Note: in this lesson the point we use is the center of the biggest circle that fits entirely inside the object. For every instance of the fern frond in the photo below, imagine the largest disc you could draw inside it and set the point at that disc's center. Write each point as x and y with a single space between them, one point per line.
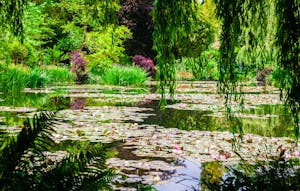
14 147
81 171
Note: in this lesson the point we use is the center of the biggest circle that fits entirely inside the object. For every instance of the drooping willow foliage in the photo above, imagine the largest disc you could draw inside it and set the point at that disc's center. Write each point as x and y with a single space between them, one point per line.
230 12
250 23
103 11
243 25
11 14
172 24
250 19
288 58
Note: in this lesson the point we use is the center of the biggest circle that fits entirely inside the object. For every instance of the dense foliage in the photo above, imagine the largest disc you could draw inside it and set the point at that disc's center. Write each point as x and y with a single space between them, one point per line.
260 37
288 43
52 32
14 10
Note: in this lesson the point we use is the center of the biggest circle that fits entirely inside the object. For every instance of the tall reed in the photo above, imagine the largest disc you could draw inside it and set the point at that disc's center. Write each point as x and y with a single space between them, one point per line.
57 74
124 76
12 78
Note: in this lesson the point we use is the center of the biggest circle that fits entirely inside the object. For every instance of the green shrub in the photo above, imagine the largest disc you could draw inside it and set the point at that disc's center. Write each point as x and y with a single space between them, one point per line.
98 63
124 76
72 39
52 56
93 78
278 77
17 51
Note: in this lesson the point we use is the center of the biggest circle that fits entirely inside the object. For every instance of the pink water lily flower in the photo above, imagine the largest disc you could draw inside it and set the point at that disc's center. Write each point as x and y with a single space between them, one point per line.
177 150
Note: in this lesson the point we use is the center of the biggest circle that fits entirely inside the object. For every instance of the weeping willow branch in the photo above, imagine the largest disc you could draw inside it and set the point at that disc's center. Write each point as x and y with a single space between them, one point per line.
11 15
249 19
172 24
243 24
229 11
288 43
103 12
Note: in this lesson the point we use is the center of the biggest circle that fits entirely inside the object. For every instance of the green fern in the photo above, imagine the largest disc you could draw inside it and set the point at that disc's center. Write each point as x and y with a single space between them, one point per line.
85 170
24 165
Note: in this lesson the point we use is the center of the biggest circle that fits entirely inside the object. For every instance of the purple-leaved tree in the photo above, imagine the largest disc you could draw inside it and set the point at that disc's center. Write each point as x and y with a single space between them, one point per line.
145 63
78 65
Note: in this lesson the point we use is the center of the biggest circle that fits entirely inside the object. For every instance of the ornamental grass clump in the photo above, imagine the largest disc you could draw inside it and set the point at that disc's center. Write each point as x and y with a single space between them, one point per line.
36 78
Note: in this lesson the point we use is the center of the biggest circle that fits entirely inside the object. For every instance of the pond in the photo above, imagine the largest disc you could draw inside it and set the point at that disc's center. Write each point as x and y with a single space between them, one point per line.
168 148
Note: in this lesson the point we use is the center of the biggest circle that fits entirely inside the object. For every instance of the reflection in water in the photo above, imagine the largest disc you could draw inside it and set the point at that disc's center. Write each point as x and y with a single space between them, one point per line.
276 174
11 119
57 103
22 99
271 120
77 103
211 175
185 179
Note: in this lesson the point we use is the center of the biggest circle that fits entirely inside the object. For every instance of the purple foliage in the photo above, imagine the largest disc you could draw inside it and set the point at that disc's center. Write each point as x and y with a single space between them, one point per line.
136 15
144 63
78 65
77 61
